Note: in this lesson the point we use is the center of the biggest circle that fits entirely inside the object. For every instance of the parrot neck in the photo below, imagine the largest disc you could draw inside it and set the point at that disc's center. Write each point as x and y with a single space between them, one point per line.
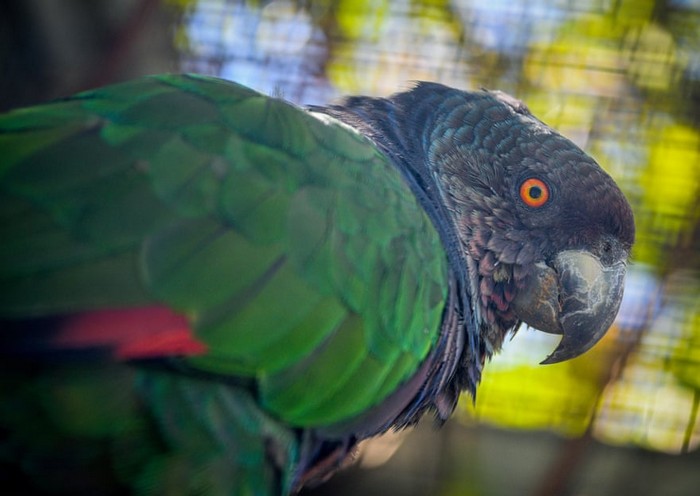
399 127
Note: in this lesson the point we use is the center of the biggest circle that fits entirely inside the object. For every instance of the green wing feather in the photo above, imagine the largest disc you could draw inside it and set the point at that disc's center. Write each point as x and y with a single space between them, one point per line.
292 244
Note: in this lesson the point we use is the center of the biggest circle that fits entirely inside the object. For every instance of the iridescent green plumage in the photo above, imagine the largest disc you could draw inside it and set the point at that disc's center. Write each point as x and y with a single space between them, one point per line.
291 244
281 236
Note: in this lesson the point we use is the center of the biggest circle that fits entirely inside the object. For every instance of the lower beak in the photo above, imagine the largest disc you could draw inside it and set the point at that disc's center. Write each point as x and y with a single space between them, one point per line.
577 296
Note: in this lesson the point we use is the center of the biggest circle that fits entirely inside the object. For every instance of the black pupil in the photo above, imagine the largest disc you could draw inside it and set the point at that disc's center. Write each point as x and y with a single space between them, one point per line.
535 192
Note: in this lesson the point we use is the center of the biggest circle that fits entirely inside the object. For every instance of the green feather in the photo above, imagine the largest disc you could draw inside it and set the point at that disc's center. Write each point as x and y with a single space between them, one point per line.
296 249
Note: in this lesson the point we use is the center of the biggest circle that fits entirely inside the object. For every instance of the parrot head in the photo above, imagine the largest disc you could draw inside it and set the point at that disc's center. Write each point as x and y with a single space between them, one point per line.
547 233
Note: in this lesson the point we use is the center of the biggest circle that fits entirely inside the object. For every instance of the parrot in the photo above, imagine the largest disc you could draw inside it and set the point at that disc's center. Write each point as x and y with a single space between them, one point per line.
208 290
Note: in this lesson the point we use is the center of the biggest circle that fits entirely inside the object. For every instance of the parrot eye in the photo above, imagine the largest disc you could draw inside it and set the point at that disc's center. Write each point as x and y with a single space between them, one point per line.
534 192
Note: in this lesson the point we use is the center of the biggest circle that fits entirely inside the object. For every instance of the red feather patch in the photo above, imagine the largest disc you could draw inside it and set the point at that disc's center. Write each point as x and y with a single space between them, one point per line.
132 333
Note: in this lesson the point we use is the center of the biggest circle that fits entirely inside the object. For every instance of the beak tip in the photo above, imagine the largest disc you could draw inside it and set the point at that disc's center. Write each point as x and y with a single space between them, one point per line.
558 355
549 361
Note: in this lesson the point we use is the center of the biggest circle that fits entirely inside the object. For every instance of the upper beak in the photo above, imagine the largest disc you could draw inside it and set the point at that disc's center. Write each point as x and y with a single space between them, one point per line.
577 296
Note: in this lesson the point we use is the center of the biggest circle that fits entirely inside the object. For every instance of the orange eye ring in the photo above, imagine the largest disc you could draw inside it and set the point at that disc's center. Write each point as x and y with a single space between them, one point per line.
534 192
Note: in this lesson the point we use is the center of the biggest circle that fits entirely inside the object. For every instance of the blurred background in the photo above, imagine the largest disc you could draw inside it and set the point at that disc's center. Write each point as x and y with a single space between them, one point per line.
619 77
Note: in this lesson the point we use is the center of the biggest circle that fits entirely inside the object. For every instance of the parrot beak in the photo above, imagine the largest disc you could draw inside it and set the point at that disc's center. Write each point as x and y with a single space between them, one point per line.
577 297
